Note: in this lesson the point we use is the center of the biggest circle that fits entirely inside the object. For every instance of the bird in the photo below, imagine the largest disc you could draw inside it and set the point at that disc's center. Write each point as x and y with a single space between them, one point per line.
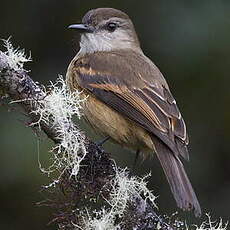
128 99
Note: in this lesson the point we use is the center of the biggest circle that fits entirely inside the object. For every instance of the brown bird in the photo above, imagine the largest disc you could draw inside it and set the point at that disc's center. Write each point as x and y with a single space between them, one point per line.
128 98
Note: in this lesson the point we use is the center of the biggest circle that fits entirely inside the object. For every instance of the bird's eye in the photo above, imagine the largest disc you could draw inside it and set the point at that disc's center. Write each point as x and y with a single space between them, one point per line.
111 26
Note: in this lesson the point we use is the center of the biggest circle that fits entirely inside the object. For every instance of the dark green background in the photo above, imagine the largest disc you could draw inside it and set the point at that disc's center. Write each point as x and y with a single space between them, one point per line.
188 40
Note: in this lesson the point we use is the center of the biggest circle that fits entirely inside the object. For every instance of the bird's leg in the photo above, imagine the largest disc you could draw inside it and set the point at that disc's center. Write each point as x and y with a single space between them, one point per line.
101 142
136 158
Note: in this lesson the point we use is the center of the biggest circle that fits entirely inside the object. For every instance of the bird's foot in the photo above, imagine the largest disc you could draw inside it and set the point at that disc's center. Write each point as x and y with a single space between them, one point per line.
136 159
101 142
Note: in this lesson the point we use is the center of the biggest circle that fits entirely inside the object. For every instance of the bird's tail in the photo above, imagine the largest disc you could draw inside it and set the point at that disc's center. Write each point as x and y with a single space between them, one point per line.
178 180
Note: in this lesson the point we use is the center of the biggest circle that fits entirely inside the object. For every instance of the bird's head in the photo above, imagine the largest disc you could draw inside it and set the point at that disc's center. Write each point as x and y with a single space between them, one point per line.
106 29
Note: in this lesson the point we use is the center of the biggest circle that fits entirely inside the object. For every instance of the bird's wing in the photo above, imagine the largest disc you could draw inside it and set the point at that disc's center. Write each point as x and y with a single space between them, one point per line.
141 100
134 87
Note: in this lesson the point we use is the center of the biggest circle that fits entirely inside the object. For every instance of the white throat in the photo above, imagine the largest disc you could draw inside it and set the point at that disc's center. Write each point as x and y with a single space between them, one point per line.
96 42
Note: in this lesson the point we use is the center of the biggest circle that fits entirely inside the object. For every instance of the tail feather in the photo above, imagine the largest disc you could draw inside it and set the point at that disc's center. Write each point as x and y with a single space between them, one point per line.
179 183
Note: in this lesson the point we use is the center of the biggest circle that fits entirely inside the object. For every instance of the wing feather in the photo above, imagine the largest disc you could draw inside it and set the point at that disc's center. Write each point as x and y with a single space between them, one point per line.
143 97
150 105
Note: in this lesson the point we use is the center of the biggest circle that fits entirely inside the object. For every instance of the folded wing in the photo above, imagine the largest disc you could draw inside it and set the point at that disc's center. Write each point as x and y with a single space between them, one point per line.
144 98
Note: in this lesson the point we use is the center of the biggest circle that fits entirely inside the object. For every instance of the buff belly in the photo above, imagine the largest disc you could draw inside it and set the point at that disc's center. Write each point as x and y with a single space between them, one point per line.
108 122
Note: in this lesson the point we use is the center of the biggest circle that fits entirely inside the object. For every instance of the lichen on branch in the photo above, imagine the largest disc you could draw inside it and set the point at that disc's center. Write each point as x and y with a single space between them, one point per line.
90 191
15 58
57 110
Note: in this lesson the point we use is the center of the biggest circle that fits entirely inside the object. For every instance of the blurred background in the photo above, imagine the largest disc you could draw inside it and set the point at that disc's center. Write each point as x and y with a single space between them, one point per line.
188 40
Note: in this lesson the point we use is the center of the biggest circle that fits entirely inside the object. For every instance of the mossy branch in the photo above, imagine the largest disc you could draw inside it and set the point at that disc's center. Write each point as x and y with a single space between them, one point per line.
91 192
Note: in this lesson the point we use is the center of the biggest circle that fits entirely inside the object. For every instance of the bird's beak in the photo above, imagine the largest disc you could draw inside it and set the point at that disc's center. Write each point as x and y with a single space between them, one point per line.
81 28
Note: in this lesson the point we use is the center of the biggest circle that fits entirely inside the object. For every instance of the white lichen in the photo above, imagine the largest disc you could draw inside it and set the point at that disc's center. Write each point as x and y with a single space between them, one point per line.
57 110
123 190
15 57
212 225
206 225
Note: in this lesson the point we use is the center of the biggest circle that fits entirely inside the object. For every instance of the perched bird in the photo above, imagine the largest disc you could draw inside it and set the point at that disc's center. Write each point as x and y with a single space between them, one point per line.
128 98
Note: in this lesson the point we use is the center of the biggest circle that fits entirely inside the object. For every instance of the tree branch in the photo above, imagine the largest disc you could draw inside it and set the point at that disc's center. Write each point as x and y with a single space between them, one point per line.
92 185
